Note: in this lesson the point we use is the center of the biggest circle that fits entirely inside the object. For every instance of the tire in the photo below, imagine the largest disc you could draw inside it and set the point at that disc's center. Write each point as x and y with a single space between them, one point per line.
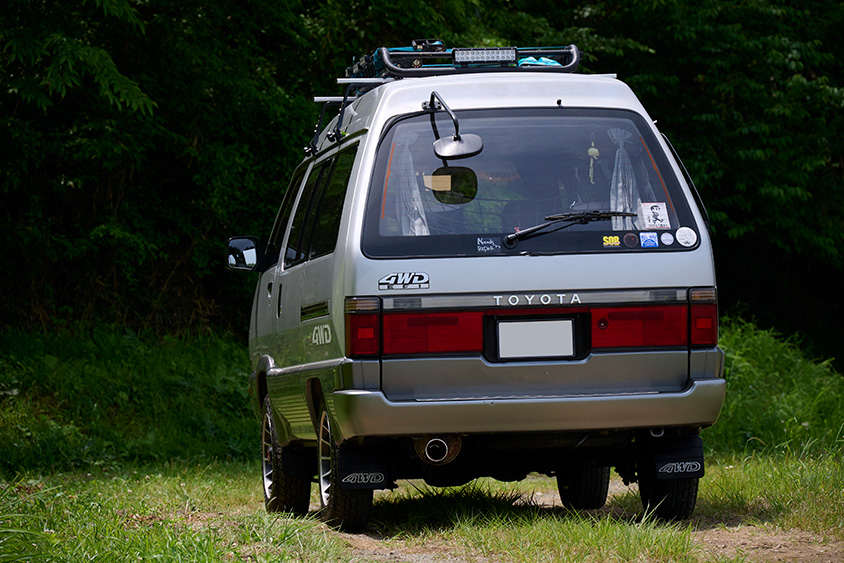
669 500
584 487
345 509
283 492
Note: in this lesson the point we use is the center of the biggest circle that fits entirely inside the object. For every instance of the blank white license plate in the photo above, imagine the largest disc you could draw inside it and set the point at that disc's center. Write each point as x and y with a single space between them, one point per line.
535 339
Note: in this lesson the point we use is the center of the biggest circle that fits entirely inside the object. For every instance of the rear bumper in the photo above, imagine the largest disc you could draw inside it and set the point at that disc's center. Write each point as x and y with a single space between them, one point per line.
370 413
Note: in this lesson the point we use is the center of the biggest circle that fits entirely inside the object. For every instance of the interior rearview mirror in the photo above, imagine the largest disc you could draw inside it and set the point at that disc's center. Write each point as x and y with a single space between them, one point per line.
464 146
453 184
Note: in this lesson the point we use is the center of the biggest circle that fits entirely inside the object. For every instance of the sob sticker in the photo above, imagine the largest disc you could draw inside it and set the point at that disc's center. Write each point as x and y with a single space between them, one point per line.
612 241
656 215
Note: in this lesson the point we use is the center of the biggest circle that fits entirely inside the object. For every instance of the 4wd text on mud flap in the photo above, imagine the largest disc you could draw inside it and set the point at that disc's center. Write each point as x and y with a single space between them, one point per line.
680 467
362 478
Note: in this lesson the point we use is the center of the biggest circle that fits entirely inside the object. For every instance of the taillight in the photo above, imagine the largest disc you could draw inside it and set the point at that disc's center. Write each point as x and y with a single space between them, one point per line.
372 333
432 333
640 327
363 327
704 317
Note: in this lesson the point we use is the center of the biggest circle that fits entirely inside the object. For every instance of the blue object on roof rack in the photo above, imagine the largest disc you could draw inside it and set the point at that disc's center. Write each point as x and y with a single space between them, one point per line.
541 61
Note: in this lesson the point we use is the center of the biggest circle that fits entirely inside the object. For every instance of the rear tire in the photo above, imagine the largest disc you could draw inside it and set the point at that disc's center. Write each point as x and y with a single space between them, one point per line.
584 487
283 492
345 509
670 499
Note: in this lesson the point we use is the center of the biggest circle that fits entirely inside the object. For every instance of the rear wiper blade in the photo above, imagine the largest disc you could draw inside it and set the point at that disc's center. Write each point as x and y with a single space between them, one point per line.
573 218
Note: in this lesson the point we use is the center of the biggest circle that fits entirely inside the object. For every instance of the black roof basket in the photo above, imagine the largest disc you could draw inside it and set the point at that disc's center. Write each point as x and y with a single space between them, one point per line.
429 57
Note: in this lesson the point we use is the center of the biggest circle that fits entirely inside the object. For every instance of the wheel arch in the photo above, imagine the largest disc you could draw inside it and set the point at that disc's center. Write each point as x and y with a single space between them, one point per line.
315 399
265 364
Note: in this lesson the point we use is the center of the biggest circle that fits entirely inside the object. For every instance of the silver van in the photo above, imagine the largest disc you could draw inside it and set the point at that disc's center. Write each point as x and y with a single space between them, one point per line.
486 265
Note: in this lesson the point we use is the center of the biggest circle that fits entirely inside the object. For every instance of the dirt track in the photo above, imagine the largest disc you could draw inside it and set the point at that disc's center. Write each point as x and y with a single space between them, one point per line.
729 539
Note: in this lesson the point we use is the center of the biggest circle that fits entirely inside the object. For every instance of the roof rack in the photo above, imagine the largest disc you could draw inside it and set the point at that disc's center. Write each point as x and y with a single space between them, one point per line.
429 57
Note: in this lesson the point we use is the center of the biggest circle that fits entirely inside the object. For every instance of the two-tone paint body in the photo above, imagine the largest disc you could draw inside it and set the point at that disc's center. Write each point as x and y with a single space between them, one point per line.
298 332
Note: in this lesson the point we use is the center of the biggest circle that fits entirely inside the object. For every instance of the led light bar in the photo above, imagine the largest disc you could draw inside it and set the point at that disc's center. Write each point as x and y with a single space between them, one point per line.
499 55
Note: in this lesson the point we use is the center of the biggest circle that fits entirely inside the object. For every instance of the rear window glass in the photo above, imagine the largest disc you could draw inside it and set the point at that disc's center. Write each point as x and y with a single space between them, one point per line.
534 165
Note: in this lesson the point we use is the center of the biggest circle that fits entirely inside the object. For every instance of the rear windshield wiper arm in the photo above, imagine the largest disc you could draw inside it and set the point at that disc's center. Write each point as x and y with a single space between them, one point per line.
573 218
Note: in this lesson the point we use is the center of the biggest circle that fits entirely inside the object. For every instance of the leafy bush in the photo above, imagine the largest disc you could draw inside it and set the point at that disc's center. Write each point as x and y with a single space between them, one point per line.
106 395
78 397
778 399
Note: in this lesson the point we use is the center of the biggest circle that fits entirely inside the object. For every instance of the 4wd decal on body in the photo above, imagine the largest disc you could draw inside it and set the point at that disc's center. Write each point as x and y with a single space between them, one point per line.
404 280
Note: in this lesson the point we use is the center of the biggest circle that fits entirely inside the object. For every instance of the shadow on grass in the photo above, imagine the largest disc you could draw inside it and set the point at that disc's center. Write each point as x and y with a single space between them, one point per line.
425 510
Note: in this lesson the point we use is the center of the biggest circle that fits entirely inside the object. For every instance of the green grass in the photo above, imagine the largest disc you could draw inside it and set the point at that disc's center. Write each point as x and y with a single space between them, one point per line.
168 512
88 418
80 397
214 512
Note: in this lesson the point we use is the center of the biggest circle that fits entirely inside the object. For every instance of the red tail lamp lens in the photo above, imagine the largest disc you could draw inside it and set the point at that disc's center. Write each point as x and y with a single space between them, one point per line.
705 325
432 333
640 327
363 326
363 334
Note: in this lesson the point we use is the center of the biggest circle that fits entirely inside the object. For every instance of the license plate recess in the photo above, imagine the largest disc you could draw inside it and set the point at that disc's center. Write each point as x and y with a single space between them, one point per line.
522 339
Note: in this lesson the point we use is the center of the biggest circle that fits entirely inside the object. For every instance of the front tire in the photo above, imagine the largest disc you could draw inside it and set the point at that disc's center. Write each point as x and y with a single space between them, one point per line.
584 487
345 509
283 492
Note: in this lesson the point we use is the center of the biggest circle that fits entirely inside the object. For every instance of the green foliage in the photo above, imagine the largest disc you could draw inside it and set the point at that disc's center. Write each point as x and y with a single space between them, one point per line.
105 395
778 400
138 136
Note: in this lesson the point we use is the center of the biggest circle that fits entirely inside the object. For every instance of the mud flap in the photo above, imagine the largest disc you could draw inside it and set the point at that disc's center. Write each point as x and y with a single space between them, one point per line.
362 468
677 457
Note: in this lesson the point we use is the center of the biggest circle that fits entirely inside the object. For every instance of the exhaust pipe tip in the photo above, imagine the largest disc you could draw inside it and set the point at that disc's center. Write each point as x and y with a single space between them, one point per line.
437 450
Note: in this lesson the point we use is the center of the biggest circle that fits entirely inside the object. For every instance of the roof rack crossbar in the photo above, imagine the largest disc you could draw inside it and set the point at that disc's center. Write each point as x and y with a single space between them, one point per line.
329 99
364 81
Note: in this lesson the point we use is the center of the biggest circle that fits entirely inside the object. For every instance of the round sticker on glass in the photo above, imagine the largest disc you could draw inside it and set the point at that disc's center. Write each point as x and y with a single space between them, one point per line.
686 236
631 240
667 239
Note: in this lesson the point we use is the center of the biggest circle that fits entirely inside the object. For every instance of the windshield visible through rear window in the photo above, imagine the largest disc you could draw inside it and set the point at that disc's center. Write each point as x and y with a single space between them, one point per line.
534 165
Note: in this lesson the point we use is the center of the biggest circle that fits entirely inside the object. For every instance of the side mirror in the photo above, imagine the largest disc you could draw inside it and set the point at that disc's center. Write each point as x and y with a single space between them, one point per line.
244 254
453 185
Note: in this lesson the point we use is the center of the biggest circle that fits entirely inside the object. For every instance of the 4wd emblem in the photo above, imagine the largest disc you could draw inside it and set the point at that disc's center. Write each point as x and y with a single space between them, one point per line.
404 280
680 467
363 478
